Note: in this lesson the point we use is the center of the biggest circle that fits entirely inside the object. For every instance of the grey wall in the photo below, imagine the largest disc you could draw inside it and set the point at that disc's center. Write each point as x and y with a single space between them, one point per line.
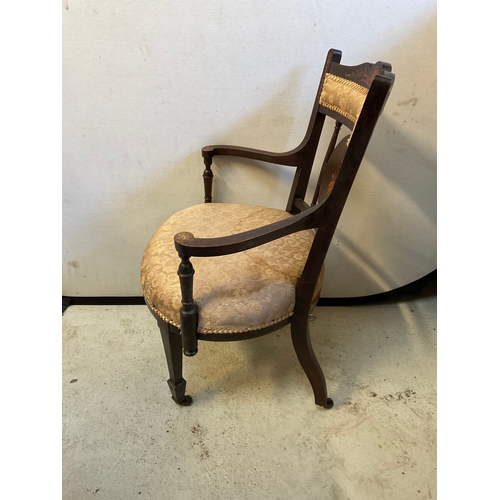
147 84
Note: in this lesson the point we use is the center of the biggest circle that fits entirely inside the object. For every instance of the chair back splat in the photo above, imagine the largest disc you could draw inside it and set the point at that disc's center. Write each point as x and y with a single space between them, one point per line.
269 267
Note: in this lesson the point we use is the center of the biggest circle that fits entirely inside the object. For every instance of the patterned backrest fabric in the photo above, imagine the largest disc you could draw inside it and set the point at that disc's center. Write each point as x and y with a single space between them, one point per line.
345 97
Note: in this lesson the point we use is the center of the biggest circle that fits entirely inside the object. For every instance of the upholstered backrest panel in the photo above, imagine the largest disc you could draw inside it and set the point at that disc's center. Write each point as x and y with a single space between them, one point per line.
343 96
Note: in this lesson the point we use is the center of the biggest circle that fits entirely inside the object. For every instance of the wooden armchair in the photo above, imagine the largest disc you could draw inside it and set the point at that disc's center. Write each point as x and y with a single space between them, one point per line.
257 268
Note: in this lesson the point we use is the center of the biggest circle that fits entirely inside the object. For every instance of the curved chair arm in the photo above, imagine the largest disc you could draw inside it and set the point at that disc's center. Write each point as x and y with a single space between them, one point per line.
291 158
187 245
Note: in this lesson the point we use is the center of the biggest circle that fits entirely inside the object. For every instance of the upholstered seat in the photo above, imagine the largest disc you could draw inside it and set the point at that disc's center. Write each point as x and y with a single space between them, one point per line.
234 293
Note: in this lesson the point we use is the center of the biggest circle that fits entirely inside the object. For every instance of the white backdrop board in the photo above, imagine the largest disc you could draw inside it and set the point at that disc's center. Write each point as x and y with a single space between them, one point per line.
147 84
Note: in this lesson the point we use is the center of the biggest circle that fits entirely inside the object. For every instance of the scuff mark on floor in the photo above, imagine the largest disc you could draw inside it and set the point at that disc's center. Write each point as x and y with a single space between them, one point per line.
198 431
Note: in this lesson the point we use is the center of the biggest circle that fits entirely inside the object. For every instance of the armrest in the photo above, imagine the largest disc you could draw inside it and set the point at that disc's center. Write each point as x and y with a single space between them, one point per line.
188 246
290 158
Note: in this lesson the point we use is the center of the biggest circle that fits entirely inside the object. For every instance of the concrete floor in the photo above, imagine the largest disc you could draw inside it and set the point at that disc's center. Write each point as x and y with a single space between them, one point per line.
253 431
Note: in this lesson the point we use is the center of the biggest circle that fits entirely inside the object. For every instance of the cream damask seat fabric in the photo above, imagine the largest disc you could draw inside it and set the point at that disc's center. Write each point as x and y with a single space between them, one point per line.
235 293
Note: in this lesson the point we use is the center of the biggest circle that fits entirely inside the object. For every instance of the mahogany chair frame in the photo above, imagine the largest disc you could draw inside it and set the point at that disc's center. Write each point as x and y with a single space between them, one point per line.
323 216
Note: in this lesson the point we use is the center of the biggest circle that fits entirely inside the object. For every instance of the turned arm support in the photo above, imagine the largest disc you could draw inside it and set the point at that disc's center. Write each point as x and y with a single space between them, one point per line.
188 311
